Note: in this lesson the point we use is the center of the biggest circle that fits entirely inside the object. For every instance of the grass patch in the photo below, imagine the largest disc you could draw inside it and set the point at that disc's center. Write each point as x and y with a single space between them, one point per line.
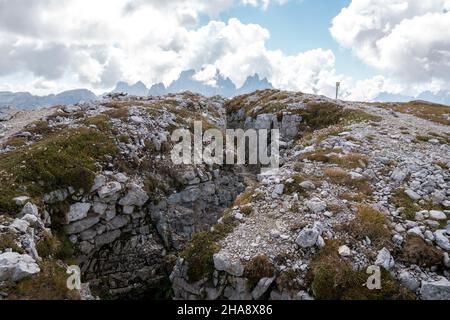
49 284
309 138
357 116
9 241
351 160
370 223
286 281
16 142
332 278
39 127
244 198
325 114
343 178
124 139
441 164
198 254
48 245
257 268
425 110
118 113
101 122
401 200
353 196
321 115
292 185
422 138
246 210
58 161
320 155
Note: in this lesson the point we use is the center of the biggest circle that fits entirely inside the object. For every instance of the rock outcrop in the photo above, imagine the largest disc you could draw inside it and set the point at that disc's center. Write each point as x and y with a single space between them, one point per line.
360 188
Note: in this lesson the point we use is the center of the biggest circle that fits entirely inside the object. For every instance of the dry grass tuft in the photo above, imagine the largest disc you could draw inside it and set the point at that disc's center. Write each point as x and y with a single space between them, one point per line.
370 223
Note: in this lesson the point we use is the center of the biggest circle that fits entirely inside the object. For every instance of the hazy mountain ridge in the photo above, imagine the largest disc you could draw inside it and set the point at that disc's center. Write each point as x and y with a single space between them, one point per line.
25 100
186 82
223 86
440 97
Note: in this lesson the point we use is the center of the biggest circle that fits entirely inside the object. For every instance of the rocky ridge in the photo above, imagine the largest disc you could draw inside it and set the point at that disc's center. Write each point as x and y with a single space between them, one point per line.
372 189
358 186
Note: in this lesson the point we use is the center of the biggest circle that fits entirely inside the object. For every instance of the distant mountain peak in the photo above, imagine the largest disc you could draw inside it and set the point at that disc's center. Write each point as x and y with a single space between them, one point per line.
25 100
440 97
137 89
254 83
187 81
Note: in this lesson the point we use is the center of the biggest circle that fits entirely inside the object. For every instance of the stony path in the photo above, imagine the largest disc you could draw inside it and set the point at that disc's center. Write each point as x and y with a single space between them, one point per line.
20 120
397 119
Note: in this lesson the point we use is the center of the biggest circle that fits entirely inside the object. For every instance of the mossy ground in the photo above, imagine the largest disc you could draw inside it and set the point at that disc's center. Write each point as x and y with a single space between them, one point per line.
57 161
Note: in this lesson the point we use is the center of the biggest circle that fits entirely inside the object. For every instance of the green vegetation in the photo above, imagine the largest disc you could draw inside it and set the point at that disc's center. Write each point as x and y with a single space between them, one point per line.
332 278
370 223
101 122
9 241
401 200
49 284
199 256
421 109
321 115
48 245
342 177
325 114
58 161
257 268
200 250
349 161
39 127
246 210
16 142
118 113
286 281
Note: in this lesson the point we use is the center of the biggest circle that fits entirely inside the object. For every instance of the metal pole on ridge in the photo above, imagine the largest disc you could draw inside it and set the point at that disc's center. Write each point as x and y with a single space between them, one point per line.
338 86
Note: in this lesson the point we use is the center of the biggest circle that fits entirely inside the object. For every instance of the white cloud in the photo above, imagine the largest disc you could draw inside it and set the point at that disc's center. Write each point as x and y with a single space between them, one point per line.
408 39
369 89
264 4
72 43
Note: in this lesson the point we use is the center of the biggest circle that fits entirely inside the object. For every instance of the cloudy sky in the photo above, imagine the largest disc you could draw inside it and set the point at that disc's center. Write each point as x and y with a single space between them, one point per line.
372 46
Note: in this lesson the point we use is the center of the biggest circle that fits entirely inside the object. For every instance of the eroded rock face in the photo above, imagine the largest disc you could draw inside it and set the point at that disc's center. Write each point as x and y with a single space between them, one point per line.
122 236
